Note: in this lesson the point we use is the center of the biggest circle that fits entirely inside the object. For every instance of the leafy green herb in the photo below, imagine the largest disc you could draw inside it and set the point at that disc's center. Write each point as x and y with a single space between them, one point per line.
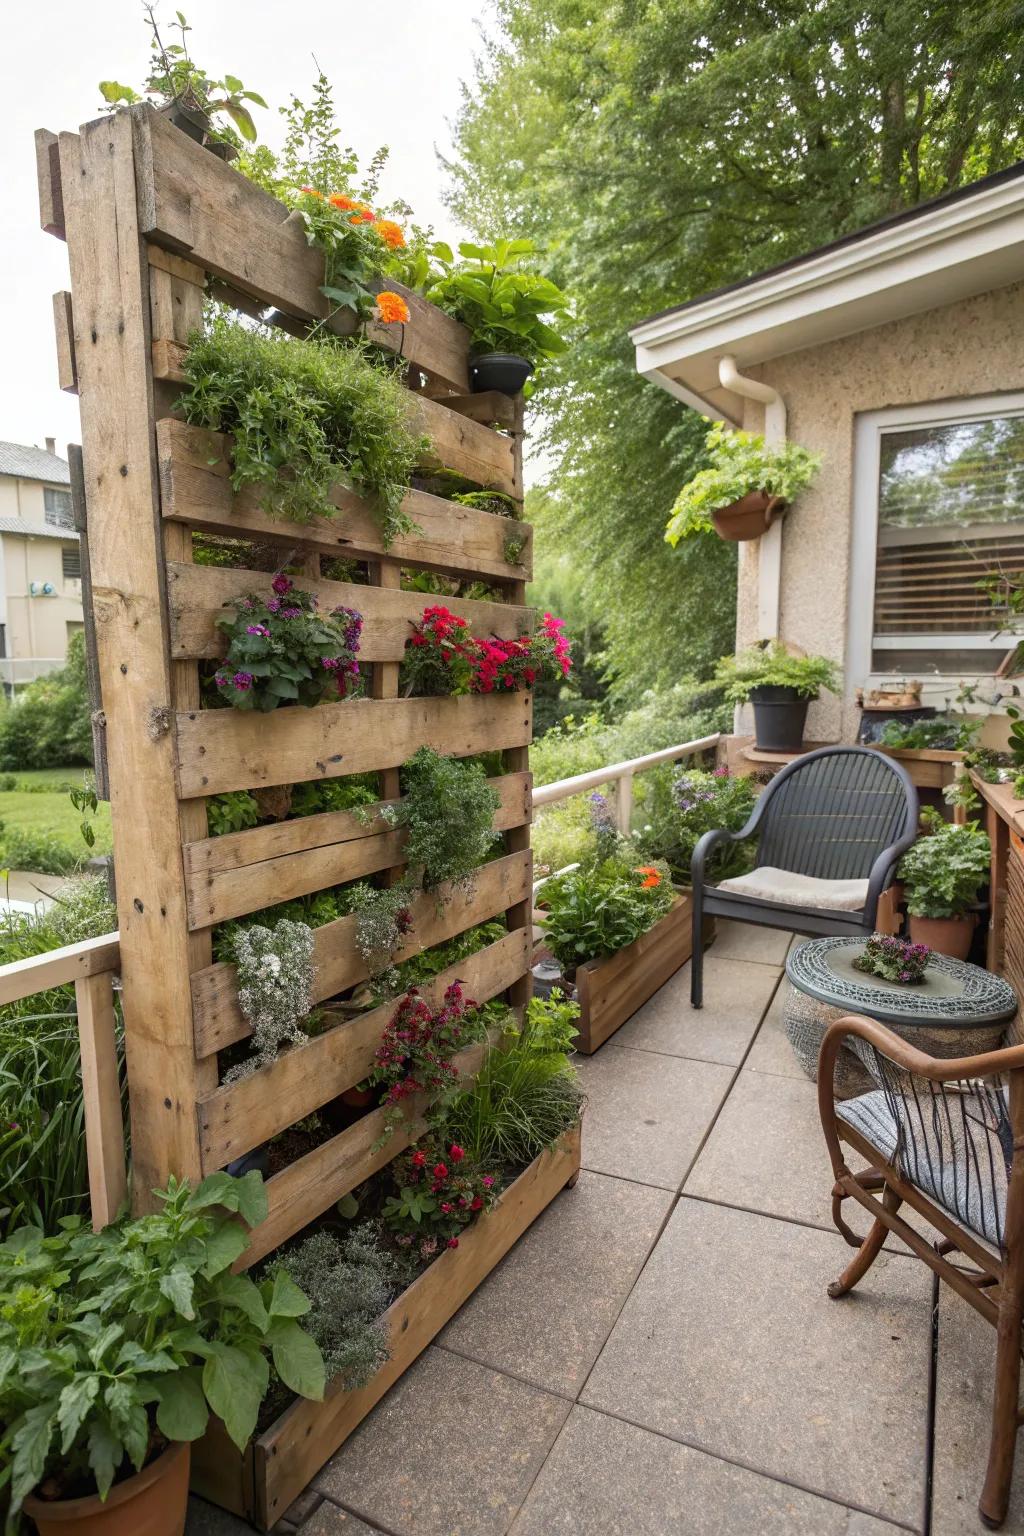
945 870
740 462
770 665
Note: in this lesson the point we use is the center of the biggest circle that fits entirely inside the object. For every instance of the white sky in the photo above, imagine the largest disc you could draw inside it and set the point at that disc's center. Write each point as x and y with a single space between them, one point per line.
396 71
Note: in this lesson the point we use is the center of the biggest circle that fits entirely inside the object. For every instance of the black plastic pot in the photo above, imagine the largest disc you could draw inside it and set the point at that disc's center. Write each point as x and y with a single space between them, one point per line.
780 715
258 1159
503 371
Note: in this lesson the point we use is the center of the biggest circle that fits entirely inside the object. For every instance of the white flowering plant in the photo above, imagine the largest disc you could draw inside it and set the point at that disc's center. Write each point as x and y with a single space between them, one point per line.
275 987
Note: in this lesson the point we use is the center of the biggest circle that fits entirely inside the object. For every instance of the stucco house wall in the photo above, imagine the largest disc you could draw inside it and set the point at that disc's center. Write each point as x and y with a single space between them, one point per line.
37 627
974 347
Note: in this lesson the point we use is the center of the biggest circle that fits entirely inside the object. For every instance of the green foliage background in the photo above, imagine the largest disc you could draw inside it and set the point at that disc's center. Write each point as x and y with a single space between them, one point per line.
662 148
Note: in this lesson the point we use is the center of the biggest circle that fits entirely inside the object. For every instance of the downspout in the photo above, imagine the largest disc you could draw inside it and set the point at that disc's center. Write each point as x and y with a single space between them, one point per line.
769 571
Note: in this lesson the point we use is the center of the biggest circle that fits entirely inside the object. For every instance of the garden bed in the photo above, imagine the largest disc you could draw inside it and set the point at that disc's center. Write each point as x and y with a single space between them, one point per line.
261 1483
610 991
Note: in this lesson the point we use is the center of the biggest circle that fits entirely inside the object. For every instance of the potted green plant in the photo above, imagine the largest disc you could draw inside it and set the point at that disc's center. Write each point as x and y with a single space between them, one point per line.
504 308
780 686
942 875
115 1347
747 485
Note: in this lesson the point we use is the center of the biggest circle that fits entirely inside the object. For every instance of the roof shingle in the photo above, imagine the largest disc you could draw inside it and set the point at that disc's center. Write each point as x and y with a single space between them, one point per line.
30 463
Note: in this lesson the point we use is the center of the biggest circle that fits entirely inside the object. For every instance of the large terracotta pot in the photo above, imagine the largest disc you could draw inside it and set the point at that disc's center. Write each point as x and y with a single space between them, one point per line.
152 1503
749 517
946 935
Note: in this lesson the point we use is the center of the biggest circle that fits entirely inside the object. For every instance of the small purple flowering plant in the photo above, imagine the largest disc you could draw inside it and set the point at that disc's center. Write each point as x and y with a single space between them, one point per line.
283 650
894 959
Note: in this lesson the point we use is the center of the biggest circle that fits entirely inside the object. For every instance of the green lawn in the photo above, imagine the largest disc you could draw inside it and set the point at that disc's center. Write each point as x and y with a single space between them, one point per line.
51 811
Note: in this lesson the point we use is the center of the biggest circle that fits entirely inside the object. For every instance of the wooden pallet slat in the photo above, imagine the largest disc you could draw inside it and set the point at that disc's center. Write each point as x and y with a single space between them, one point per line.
194 468
437 916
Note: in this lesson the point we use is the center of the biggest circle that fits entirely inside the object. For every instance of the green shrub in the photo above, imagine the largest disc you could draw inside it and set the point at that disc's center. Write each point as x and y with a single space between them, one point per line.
601 907
448 811
772 666
562 834
301 413
350 1284
679 807
39 852
945 870
48 722
664 718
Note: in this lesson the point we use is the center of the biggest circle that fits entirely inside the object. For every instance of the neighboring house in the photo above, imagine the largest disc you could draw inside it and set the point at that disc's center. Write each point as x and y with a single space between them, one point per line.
40 569
897 353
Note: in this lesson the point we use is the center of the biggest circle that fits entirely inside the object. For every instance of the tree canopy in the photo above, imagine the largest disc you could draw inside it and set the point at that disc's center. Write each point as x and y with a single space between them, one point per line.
662 148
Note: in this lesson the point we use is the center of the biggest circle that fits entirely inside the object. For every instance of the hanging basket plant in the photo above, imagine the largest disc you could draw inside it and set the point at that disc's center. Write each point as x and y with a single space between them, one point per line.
282 650
747 485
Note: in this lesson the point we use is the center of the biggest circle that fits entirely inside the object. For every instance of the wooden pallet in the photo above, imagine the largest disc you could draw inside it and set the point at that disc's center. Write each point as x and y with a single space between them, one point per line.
610 991
154 223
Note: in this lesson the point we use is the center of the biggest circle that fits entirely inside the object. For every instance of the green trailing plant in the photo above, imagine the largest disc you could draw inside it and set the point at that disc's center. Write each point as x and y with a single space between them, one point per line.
506 307
304 413
526 1094
113 1343
1018 787
944 870
234 811
952 733
601 907
321 795
679 807
894 959
282 650
740 462
275 988
350 1282
383 923
770 665
175 77
447 810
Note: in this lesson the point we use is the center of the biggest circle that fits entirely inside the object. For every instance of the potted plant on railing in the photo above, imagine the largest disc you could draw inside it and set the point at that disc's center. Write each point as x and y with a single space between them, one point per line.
942 875
780 686
115 1347
747 485
510 313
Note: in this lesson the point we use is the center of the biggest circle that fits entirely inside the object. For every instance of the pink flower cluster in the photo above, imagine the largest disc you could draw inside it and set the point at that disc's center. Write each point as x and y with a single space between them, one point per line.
415 1053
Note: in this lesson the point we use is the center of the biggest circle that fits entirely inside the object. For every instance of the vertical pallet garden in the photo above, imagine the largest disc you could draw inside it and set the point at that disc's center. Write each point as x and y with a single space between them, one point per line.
154 223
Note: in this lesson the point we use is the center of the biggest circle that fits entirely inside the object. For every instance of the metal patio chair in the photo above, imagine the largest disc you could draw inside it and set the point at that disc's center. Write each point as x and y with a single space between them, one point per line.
946 1137
832 826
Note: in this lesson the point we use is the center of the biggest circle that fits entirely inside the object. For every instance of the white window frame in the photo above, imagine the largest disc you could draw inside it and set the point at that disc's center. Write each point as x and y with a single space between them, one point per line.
869 429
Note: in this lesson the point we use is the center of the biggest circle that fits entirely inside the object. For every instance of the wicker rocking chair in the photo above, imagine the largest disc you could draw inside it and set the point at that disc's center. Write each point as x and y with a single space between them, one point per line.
946 1137
832 826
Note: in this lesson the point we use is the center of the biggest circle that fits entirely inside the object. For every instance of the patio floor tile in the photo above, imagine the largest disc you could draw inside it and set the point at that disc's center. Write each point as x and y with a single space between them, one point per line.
451 1451
771 1051
735 998
729 1342
963 1404
608 1478
549 1306
745 941
647 1114
329 1520
205 1519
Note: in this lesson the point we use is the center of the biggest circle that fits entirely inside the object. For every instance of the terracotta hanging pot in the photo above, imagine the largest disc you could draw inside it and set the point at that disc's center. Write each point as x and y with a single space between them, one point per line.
946 935
749 517
152 1503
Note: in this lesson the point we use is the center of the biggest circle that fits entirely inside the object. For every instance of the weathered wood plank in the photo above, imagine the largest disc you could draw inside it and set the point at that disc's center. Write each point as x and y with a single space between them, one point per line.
48 179
610 991
64 336
101 1096
197 594
489 406
298 1444
436 917
23 978
243 1115
224 749
191 202
194 469
289 859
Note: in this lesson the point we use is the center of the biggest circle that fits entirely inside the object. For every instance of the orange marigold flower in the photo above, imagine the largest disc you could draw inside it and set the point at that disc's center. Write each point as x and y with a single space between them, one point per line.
339 200
392 308
390 233
653 877
312 192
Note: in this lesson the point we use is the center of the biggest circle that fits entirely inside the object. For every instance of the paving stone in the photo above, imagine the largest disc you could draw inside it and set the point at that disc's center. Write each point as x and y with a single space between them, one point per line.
647 1114
301 1508
329 1520
205 1519
607 1478
963 1405
771 1050
549 1306
747 942
735 998
729 1342
451 1451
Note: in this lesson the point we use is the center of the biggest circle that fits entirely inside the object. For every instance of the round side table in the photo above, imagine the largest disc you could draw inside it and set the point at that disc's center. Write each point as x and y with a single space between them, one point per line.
958 1010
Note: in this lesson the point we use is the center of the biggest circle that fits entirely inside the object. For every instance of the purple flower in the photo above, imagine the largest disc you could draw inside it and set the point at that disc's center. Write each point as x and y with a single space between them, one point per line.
258 629
281 584
291 613
330 662
274 606
242 681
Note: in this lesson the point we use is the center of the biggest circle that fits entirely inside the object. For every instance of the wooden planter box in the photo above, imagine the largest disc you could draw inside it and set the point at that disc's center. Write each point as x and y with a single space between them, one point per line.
929 768
262 1482
610 991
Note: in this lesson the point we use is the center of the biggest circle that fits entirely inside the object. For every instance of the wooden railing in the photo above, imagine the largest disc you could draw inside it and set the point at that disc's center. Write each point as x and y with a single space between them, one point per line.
91 966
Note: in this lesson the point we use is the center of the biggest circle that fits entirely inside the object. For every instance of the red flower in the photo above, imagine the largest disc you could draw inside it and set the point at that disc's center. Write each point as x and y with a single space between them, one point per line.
453 1242
440 1171
476 1203
456 1153
281 584
446 1207
418 1159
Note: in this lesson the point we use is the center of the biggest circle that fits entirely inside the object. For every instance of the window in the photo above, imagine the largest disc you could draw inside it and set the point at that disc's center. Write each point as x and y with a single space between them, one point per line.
938 513
57 507
71 562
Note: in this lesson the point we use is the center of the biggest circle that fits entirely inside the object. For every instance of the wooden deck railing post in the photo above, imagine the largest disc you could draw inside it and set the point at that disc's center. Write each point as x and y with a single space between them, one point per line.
101 1090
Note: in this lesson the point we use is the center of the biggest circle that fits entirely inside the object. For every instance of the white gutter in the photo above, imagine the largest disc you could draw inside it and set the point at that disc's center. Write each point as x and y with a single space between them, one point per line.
769 569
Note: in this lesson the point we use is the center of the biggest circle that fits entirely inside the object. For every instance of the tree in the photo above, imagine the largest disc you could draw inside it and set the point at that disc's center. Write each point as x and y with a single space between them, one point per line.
662 148
48 723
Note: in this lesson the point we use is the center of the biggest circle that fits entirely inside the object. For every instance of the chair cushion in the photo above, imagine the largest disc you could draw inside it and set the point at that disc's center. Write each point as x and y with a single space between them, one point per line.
950 1145
791 890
